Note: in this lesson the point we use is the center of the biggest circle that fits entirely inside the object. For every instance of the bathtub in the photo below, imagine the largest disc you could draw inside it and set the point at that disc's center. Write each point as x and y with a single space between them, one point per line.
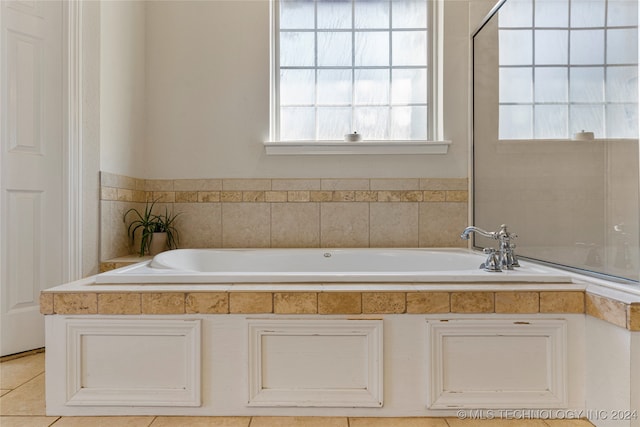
211 266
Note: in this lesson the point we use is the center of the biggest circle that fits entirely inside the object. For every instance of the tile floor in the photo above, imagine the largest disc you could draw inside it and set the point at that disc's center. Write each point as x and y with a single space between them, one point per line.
22 405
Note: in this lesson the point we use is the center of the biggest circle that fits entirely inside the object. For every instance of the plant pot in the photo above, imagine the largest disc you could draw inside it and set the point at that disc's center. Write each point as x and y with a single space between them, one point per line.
158 243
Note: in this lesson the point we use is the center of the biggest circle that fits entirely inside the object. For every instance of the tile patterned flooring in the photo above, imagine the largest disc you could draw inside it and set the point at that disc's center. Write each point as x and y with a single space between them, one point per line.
22 405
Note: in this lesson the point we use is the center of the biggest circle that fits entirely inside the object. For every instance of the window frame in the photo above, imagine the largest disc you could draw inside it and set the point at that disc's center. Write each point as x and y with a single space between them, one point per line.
433 144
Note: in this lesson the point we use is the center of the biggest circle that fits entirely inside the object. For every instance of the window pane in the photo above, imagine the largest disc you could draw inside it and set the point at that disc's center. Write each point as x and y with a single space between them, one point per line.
587 47
622 84
409 86
371 87
587 13
552 47
516 122
297 123
586 84
334 87
622 46
333 123
551 85
296 49
551 121
297 87
296 14
515 47
552 13
372 48
516 85
589 118
334 14
622 13
334 49
516 13
409 13
409 48
409 123
371 13
622 121
371 122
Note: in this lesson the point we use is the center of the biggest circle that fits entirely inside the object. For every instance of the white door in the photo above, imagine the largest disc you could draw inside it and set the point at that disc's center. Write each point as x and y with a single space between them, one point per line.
31 166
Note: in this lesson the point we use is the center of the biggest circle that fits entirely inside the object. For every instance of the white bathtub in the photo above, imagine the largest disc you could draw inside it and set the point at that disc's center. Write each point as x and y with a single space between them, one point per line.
185 266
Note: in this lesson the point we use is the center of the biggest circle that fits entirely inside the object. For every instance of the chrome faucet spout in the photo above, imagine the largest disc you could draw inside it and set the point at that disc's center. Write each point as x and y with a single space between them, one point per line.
471 229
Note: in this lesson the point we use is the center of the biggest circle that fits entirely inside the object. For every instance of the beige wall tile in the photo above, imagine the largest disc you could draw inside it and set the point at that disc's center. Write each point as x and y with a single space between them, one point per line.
394 184
295 225
108 179
107 266
343 196
428 302
119 303
164 196
561 302
207 302
158 185
231 196
199 225
246 184
606 309
295 302
321 196
253 196
246 225
340 303
457 196
275 196
108 193
197 185
298 196
444 184
366 196
75 303
517 302
633 317
295 184
344 224
250 302
442 223
186 197
139 196
163 303
434 195
472 302
46 303
344 184
208 196
124 195
383 302
390 196
393 225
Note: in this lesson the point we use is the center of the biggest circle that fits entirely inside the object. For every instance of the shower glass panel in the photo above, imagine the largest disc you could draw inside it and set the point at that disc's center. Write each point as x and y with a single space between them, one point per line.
555 132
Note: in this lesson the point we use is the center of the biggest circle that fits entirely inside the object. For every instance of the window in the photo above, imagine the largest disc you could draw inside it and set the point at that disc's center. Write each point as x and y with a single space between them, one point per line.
568 66
351 65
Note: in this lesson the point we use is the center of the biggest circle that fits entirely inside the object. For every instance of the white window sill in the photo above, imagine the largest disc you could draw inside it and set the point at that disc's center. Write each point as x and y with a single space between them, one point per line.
360 147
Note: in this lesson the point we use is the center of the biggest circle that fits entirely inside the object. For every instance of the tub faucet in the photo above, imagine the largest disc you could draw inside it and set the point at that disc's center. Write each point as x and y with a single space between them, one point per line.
506 256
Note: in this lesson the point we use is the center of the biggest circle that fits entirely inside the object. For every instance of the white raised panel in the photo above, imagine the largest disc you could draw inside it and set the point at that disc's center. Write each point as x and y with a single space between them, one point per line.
119 362
497 364
315 363
23 247
24 80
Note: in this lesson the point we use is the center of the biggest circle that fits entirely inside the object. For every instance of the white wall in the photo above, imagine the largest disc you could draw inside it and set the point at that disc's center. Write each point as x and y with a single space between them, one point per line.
208 98
122 87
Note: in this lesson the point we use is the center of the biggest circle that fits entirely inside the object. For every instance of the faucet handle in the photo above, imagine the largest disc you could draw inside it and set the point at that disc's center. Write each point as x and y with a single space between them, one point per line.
492 264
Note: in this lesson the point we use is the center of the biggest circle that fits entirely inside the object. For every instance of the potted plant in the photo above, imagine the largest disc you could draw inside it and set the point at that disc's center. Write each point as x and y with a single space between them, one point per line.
160 228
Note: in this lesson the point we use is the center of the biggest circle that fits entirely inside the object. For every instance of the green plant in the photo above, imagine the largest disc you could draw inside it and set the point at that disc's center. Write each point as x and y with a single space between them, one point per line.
148 223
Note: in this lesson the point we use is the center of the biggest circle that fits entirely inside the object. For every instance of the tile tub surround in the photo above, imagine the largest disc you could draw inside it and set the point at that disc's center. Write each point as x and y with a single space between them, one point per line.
342 299
232 213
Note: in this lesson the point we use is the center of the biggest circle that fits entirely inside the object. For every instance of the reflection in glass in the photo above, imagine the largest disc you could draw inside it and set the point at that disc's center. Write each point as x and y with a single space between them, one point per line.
372 121
406 48
551 13
296 14
586 84
408 86
516 122
409 14
408 123
334 14
334 49
296 87
334 87
587 47
296 49
371 14
518 85
371 87
297 123
587 13
372 48
551 84
516 47
622 46
587 117
333 123
550 121
556 38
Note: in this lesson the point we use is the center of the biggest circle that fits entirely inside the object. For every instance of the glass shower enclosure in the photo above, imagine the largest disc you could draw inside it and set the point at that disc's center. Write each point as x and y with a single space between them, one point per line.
555 132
